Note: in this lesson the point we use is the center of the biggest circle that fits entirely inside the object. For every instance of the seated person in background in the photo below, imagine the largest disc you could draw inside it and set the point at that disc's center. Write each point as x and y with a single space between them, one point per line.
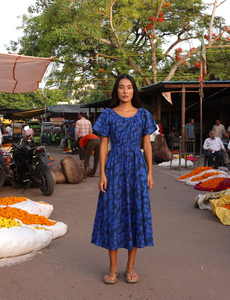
28 131
214 148
173 134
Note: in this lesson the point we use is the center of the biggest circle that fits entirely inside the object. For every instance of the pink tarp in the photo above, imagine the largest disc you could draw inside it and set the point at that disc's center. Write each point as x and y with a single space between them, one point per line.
21 74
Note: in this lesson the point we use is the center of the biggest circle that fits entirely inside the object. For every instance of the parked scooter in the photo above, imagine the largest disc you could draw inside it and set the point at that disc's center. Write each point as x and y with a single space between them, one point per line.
31 165
28 141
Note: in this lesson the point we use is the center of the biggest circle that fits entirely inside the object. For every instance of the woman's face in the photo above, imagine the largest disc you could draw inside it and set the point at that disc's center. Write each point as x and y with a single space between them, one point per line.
125 90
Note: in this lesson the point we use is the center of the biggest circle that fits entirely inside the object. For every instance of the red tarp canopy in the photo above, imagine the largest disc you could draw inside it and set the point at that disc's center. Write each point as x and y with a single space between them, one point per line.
21 74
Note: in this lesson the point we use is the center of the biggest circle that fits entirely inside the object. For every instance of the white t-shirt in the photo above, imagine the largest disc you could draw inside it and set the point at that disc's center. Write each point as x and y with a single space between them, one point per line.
154 134
219 131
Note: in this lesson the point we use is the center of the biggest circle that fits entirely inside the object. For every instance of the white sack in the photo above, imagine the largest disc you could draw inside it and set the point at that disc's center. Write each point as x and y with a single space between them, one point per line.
57 230
175 163
16 241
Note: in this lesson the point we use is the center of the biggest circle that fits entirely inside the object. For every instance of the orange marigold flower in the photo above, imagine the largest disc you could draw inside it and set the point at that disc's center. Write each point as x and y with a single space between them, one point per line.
212 183
24 216
195 172
205 176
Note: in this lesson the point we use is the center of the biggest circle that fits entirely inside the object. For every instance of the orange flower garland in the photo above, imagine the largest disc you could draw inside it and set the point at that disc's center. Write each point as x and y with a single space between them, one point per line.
195 172
11 200
24 216
212 183
205 176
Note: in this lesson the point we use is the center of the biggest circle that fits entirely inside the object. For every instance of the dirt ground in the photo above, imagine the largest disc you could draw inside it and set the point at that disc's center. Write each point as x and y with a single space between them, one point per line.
190 259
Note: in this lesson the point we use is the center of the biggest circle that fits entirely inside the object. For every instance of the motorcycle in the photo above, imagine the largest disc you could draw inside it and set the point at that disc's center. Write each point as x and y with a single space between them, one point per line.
58 138
2 176
28 141
31 165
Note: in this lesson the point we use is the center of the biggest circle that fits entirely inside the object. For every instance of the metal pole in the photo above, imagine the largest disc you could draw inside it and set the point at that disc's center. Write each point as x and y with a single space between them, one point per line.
183 118
45 110
159 106
201 128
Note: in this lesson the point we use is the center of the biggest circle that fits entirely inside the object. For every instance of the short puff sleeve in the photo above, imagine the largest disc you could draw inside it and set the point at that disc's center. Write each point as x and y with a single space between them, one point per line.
102 125
149 125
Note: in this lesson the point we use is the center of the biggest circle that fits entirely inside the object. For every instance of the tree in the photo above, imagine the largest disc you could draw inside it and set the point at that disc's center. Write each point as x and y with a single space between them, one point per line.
97 40
32 100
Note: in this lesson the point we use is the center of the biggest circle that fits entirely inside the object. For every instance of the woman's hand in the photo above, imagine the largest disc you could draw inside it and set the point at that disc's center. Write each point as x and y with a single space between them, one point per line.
102 183
150 181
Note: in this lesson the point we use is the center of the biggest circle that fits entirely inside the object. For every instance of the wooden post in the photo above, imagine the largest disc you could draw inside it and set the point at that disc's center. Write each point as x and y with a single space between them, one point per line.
159 106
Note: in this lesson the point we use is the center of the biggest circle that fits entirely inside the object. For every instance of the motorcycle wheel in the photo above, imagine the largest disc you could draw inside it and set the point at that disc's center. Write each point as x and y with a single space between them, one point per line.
19 184
45 180
2 176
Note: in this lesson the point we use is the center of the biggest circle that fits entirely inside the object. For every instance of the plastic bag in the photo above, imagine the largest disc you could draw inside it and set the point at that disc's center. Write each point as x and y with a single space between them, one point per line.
202 201
221 212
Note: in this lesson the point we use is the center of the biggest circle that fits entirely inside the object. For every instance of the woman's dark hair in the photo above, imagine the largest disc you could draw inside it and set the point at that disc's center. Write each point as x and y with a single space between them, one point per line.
115 100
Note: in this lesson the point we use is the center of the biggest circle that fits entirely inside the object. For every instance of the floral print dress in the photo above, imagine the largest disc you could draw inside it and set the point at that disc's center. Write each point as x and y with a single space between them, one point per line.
123 217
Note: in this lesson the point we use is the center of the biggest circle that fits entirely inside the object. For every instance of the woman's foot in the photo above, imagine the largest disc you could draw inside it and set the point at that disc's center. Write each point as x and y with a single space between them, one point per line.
131 275
111 276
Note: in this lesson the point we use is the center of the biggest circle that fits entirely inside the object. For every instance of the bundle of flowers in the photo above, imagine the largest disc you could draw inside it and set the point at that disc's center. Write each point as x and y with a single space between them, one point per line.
204 175
209 174
24 216
214 184
12 200
32 207
7 223
196 171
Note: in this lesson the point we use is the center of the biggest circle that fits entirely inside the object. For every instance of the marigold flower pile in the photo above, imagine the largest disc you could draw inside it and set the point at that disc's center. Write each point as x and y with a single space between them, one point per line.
212 183
205 176
24 216
7 223
195 172
11 200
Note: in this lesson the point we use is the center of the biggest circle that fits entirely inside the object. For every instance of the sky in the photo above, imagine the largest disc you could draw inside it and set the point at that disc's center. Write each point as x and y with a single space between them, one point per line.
10 9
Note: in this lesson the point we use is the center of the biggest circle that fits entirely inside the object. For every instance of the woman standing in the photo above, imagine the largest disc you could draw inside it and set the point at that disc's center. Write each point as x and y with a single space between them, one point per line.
123 218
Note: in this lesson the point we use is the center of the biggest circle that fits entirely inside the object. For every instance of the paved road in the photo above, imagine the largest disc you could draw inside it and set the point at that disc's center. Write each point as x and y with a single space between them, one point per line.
190 259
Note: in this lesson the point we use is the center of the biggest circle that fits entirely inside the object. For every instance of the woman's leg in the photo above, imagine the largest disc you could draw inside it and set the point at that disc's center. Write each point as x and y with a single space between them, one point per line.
130 263
113 264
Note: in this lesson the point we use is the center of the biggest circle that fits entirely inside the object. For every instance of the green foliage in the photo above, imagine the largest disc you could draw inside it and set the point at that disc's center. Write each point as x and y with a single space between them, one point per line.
89 36
32 100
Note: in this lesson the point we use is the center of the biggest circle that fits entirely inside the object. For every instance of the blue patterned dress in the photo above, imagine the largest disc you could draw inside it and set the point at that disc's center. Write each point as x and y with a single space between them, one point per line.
123 217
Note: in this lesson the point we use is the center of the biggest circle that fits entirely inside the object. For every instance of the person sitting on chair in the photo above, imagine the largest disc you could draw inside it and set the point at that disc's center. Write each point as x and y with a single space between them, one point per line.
214 148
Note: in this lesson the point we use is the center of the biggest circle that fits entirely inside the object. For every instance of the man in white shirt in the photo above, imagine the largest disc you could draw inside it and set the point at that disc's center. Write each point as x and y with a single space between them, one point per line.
215 148
219 130
152 141
82 128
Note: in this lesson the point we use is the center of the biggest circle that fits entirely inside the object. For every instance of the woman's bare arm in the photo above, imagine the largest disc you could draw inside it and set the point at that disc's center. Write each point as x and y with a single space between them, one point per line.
103 156
148 157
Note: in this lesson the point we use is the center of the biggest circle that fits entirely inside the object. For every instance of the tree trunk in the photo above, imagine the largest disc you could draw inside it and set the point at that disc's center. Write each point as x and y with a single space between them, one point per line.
138 70
153 59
